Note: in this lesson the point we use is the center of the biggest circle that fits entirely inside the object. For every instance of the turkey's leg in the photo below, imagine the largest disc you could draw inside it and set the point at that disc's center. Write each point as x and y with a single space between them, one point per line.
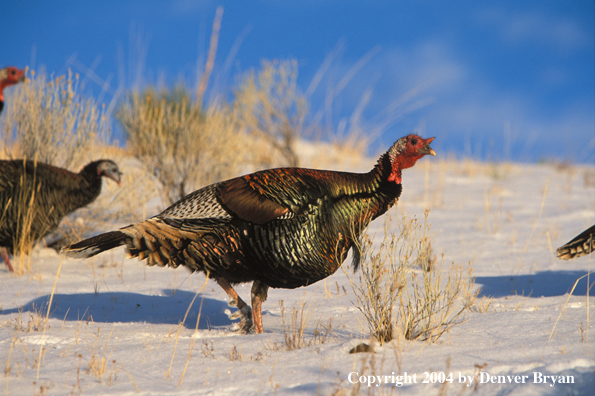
4 255
243 311
259 295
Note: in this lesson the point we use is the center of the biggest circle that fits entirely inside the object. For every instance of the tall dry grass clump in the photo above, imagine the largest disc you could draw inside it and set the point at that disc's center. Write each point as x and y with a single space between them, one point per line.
272 109
182 144
186 145
50 120
402 292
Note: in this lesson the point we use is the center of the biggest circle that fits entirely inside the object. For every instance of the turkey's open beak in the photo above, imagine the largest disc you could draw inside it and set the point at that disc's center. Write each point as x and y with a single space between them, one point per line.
427 149
23 77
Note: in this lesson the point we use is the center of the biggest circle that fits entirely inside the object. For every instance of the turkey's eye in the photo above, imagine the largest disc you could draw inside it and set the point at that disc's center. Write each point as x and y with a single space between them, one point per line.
414 141
13 72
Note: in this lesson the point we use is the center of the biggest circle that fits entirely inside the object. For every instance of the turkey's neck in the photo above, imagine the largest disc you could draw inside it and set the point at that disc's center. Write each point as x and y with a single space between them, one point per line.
384 194
89 185
370 193
377 180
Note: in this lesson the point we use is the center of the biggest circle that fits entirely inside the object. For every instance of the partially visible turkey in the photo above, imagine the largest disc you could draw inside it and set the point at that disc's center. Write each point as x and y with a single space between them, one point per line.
9 76
281 228
581 245
44 194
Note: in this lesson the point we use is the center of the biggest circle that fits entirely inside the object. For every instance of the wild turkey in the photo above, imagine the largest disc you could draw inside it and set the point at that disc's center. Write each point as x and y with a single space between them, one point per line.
36 196
281 228
9 76
581 245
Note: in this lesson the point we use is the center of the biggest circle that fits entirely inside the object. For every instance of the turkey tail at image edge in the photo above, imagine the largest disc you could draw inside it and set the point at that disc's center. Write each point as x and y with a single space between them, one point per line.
581 245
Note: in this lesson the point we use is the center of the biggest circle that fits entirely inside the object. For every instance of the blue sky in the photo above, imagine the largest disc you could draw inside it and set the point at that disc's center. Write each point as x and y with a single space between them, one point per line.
493 80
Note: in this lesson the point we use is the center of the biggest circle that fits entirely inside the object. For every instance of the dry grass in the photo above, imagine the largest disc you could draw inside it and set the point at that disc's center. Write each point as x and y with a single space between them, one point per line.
234 354
35 321
294 328
396 299
588 319
101 362
482 305
183 145
208 348
47 316
295 335
383 276
186 144
49 119
377 292
437 303
271 107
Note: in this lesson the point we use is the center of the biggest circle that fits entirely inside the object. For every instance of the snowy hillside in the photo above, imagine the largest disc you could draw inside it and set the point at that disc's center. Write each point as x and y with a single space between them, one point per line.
114 325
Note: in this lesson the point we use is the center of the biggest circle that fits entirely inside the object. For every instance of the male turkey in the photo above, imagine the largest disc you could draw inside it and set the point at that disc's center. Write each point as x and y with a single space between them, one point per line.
34 198
281 228
581 245
9 76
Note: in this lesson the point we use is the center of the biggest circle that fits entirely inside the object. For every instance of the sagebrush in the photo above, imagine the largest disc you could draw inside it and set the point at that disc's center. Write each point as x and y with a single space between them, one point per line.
402 291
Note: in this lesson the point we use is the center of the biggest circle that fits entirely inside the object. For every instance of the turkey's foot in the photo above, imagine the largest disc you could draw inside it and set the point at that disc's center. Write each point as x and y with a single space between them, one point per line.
244 311
244 326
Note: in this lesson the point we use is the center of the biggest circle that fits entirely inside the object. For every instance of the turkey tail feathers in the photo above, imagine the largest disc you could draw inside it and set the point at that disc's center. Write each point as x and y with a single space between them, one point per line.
95 245
581 245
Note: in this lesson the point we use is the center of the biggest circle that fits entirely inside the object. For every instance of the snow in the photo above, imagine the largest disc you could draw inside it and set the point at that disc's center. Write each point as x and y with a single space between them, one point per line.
114 323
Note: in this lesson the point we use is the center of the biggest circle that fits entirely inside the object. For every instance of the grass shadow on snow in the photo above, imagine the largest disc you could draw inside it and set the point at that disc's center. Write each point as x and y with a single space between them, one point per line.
540 284
123 307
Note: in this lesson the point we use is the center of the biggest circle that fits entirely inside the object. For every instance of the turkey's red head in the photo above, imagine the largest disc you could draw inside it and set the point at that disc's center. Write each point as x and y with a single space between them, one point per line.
10 76
405 153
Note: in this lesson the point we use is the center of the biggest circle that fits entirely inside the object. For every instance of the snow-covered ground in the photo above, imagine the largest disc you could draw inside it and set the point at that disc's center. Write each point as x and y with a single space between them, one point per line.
114 323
